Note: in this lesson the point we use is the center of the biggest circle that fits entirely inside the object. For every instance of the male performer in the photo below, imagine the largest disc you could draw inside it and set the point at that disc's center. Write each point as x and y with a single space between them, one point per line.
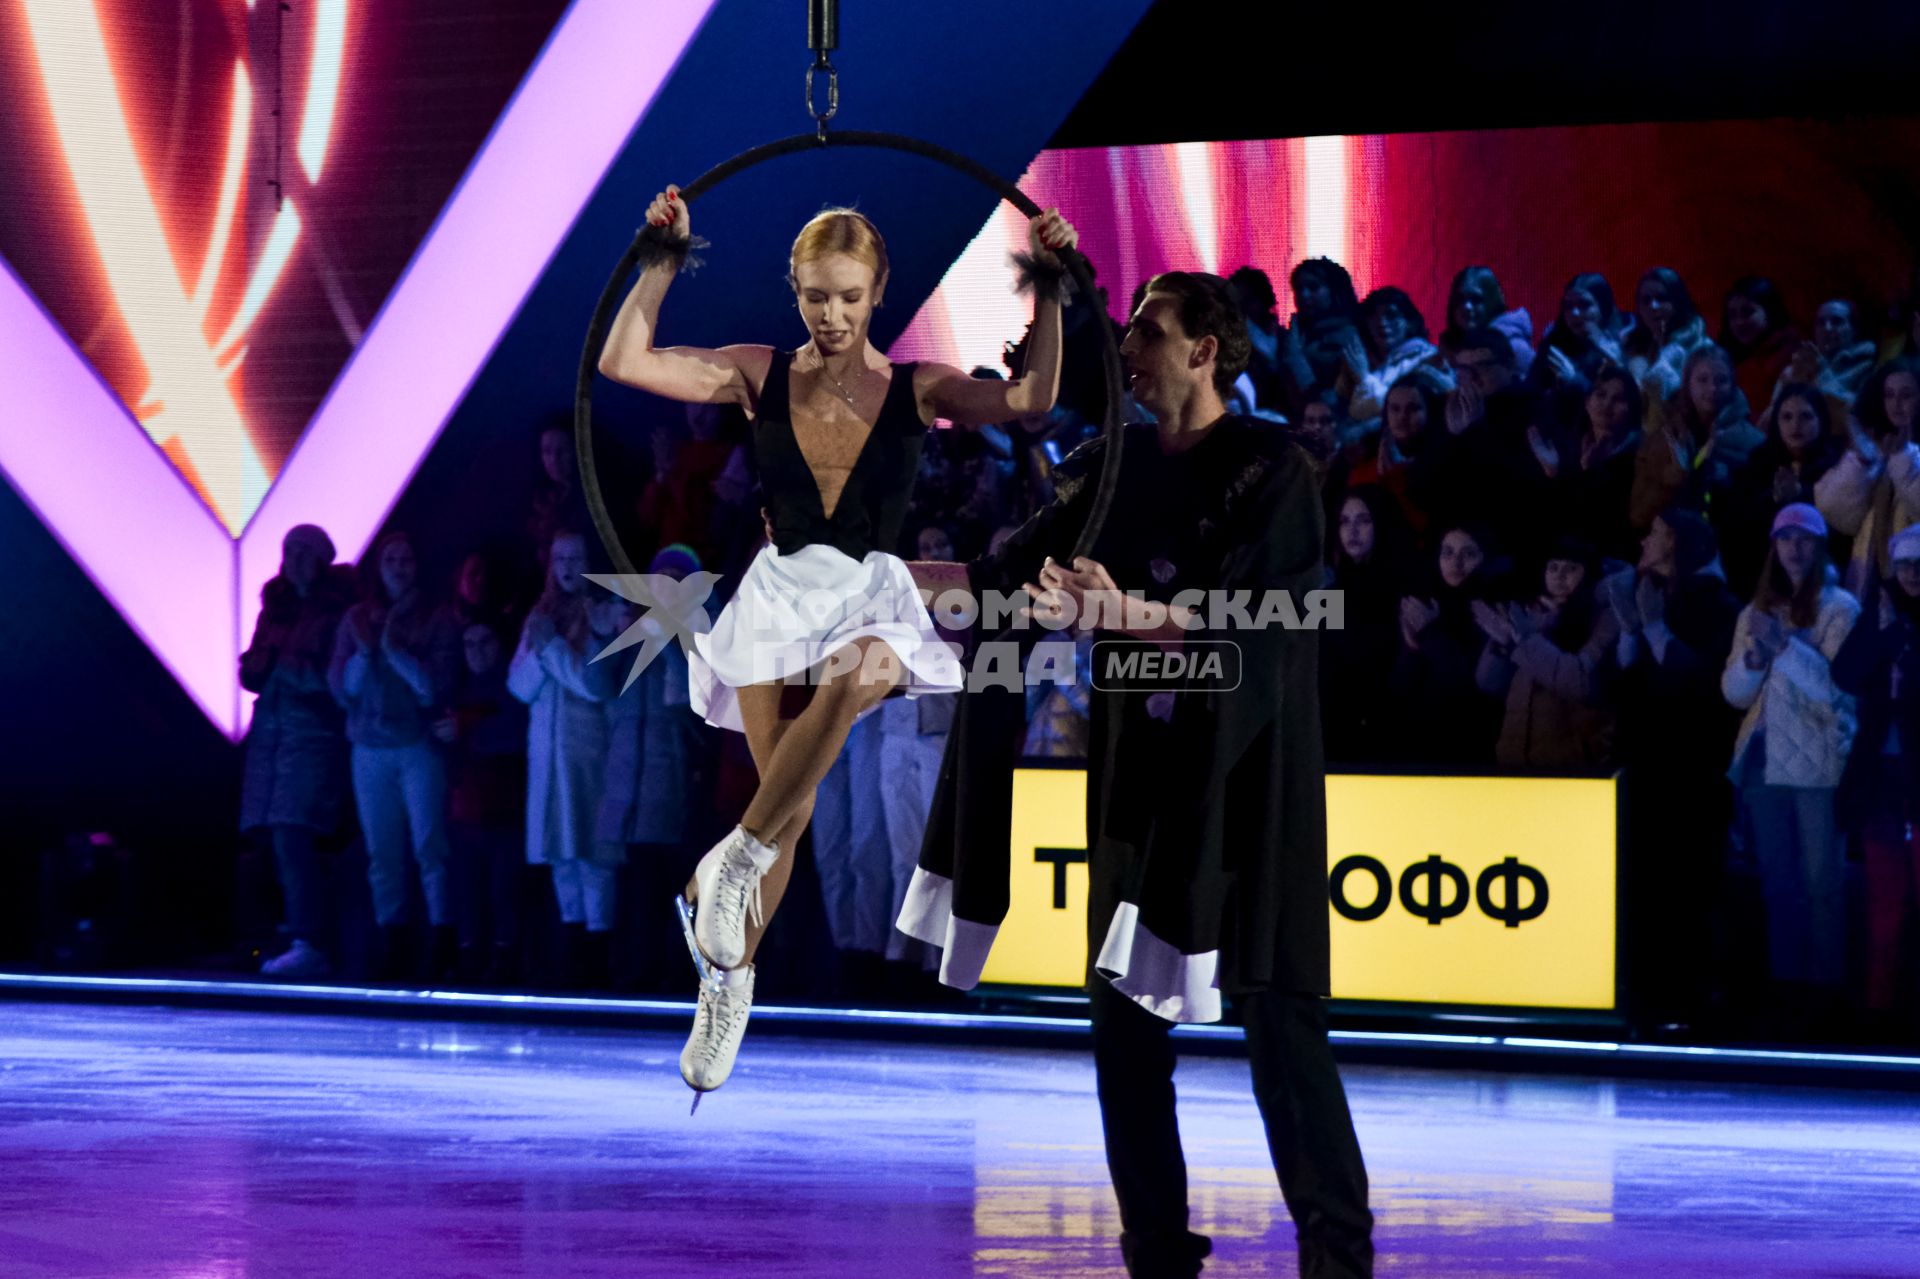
1206 809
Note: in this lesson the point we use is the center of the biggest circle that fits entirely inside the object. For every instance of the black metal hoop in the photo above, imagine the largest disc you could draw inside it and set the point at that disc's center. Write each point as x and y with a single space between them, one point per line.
612 294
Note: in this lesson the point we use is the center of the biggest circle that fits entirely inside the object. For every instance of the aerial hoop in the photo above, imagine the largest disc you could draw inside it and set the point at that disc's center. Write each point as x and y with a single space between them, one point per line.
612 295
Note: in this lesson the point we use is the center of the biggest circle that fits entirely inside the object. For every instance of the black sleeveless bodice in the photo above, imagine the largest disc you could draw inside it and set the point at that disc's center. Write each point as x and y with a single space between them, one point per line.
873 502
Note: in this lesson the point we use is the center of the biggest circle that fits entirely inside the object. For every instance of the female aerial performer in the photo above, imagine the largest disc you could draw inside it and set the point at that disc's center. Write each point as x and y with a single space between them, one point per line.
837 432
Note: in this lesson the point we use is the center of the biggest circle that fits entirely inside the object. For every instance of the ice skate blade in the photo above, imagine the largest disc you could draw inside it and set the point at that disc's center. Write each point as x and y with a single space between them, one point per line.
701 965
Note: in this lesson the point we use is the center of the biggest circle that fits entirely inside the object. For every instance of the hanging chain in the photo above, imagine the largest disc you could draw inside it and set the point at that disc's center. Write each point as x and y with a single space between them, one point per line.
820 118
823 37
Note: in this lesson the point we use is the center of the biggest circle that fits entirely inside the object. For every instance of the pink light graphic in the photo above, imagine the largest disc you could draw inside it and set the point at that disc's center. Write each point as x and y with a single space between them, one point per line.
116 503
186 586
1207 206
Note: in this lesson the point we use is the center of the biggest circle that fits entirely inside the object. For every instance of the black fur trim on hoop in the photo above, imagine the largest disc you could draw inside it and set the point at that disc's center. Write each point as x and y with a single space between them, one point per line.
657 246
1048 282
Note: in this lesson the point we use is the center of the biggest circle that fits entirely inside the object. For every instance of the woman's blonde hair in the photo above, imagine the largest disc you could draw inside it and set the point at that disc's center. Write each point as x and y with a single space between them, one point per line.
845 231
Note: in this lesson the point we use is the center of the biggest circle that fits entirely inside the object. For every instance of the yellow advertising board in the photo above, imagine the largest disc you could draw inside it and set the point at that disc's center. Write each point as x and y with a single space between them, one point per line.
1444 890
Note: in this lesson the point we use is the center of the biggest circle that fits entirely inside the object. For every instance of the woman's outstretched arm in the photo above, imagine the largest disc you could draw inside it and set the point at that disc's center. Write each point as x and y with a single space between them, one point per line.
729 375
945 392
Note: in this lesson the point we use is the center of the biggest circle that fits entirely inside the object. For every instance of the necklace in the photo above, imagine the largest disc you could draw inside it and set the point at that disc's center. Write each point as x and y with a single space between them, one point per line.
837 386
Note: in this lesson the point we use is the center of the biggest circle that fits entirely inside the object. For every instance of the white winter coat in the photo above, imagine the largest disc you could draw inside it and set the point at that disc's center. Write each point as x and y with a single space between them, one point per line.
566 752
1848 496
1809 723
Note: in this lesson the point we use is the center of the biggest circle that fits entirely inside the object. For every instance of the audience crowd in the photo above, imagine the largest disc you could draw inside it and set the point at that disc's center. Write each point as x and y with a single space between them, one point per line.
1648 542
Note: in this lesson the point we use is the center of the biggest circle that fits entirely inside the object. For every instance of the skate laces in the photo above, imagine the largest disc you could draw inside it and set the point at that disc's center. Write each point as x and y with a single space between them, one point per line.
739 877
721 1007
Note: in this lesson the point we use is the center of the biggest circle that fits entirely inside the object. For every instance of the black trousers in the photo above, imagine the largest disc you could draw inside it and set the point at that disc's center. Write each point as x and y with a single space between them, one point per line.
1309 1132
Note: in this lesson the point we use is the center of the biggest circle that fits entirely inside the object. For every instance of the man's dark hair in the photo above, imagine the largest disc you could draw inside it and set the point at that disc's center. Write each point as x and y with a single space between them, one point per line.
1207 309
1486 339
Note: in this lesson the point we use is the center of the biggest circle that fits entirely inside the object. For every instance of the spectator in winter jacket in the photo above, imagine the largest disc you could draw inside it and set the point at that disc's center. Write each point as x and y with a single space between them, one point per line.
485 733
1880 795
1408 457
1696 439
1475 300
1667 326
1444 717
1391 344
1804 441
296 762
1676 619
1489 471
1757 332
1546 660
1875 486
657 770
393 668
1313 348
1583 338
1792 750
1840 356
1371 554
1593 480
567 753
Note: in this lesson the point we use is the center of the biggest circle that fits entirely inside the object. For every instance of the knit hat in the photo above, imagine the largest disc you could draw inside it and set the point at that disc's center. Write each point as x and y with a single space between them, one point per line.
1905 545
675 557
1694 545
1801 516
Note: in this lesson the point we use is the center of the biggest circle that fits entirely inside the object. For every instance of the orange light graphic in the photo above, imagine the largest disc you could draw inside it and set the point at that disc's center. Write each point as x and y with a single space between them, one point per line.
231 173
189 406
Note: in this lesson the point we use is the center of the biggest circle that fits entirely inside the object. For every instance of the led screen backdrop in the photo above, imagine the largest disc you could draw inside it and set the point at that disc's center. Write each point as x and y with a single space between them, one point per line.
214 197
1826 208
181 562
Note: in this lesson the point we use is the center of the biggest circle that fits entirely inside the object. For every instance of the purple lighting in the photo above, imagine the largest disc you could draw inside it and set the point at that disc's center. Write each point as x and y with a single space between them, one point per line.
116 503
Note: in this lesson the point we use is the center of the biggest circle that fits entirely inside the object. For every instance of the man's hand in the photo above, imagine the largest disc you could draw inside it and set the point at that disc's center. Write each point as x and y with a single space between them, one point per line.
1065 595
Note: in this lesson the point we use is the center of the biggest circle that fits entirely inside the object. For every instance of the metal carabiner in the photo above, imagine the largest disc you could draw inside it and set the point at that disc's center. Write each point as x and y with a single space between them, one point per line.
820 118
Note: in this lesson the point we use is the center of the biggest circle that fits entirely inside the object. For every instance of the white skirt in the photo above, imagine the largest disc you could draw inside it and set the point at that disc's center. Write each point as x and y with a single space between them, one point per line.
792 612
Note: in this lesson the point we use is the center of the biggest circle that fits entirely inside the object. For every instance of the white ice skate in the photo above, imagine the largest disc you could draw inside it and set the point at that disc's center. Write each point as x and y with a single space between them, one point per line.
719 1024
728 883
